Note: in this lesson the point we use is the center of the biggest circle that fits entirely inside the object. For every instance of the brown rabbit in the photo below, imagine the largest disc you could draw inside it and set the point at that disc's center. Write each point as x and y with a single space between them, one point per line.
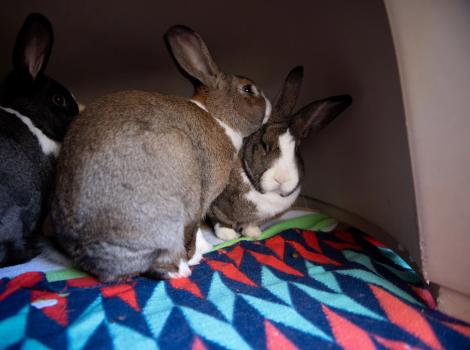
138 170
265 182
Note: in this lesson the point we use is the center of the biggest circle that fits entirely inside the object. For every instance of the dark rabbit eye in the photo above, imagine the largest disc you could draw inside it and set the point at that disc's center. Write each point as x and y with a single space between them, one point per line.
249 89
58 100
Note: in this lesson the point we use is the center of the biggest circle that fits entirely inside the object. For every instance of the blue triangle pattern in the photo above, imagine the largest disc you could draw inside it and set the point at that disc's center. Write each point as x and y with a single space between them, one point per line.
86 324
33 344
360 259
222 297
285 315
14 327
158 309
125 338
375 279
340 301
319 274
220 309
204 325
277 286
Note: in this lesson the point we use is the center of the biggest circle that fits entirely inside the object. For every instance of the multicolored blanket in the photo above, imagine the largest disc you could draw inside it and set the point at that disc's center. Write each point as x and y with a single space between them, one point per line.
298 289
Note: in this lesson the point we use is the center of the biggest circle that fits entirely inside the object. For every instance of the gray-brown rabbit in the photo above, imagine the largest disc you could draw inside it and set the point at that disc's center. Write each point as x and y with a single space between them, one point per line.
266 180
138 170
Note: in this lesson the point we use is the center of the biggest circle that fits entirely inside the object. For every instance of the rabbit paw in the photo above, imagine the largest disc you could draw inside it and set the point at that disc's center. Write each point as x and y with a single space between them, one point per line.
183 270
202 247
251 231
225 233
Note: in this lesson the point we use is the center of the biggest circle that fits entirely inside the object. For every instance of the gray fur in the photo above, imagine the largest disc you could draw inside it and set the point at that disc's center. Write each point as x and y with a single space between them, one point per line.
232 209
138 170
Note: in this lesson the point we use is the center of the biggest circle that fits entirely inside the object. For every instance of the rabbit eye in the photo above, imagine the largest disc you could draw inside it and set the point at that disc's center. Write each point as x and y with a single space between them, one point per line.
249 89
58 100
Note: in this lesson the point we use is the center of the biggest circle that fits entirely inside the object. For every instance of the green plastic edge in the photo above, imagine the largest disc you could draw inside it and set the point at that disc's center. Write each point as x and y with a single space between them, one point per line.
314 222
64 274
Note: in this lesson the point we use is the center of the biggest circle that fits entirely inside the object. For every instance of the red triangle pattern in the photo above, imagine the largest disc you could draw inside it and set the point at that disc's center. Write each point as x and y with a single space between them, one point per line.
406 317
344 245
373 240
230 271
124 292
83 282
187 285
275 263
311 240
57 312
464 330
347 334
277 245
426 296
236 254
25 280
345 236
275 340
312 256
198 344
394 344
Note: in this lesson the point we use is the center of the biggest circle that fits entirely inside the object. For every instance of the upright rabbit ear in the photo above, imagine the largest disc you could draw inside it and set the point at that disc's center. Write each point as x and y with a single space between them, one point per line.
33 45
287 97
318 114
192 54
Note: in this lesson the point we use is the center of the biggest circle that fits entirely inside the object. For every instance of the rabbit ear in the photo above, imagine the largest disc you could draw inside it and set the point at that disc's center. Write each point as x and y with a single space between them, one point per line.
33 45
318 114
192 54
287 97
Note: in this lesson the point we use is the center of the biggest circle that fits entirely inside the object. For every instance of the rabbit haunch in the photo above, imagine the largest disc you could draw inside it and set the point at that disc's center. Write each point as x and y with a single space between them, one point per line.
138 170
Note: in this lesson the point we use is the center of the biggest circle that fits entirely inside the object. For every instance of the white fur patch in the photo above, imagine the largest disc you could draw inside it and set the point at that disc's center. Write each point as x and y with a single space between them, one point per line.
234 136
202 247
183 270
199 104
48 146
283 176
252 231
268 110
225 233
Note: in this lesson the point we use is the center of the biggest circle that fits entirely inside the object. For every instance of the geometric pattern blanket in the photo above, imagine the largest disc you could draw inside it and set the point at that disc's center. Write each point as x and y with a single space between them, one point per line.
299 289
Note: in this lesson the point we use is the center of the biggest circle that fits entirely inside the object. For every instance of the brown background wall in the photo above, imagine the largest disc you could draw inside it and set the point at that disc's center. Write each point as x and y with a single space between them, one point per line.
360 163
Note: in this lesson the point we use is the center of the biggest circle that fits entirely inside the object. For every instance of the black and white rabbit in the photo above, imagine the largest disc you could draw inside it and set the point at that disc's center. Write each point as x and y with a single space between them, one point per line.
138 170
266 180
35 112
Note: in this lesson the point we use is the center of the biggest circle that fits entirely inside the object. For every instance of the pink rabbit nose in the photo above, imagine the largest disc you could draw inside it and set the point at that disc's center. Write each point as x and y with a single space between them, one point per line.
280 179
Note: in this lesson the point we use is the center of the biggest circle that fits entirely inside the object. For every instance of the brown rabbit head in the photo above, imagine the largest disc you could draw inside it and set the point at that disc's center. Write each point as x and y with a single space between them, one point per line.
270 156
234 100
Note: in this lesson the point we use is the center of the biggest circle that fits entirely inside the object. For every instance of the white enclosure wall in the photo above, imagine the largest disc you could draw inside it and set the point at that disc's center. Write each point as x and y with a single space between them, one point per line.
433 50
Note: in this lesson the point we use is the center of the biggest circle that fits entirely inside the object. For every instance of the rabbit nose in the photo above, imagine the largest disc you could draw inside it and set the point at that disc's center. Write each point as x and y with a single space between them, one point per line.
280 179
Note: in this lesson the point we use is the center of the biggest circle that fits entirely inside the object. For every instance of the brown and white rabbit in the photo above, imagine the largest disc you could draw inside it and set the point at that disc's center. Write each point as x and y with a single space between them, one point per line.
266 180
138 170
35 112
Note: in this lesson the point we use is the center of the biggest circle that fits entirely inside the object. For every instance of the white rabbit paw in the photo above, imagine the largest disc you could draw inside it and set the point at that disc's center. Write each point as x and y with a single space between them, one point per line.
225 233
252 231
183 270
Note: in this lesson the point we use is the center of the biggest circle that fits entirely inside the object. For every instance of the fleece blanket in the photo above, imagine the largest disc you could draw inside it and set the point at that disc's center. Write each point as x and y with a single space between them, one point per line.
299 289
